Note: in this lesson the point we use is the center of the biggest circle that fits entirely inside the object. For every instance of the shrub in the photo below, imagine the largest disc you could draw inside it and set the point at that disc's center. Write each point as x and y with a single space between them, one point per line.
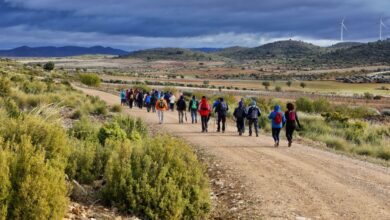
266 84
49 66
335 144
162 180
142 87
368 96
321 105
278 88
303 85
89 79
116 108
111 130
34 87
289 83
130 125
304 104
384 153
5 87
84 130
37 189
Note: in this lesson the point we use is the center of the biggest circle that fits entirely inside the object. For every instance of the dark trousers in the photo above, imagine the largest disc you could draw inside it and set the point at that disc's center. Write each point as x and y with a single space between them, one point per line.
255 123
131 101
221 118
204 123
240 125
172 106
289 132
153 107
276 133
148 107
140 104
181 116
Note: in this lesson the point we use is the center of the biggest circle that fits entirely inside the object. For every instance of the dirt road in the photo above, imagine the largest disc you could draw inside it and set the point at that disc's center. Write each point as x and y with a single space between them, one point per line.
290 182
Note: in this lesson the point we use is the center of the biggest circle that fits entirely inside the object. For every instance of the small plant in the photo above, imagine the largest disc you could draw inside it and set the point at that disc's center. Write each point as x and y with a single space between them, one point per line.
266 84
90 79
116 108
303 85
49 66
278 88
289 83
368 96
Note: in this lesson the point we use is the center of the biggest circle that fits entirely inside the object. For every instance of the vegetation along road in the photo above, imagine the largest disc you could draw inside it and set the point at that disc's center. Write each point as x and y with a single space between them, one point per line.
288 182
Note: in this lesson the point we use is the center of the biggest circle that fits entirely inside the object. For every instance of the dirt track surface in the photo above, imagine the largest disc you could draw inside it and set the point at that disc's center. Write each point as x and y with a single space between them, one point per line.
289 182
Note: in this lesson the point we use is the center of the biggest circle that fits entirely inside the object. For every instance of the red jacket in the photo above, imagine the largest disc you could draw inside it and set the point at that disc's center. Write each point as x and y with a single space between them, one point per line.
204 108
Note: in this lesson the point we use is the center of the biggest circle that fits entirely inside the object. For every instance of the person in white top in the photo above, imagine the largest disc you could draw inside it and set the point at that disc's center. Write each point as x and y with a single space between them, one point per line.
172 100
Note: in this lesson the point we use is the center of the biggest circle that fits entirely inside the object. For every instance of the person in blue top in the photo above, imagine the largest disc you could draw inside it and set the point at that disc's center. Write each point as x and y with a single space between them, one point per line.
148 102
123 97
278 120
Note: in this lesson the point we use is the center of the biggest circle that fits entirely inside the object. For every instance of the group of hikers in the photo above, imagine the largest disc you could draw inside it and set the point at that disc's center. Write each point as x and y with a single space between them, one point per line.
159 101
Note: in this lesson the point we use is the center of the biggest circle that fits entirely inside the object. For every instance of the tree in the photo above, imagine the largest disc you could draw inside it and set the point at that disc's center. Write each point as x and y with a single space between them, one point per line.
303 85
266 84
289 83
49 66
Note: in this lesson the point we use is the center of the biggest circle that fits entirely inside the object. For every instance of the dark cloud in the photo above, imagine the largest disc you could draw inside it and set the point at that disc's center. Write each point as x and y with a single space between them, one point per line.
170 19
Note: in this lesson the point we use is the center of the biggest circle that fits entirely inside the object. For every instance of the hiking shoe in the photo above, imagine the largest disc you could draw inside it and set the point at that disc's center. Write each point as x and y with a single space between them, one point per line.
289 143
257 135
250 135
276 144
240 133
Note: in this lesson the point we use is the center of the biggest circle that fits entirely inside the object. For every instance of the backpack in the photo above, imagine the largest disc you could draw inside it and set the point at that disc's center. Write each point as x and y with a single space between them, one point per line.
194 104
239 113
291 116
204 107
148 99
223 107
161 104
132 96
278 118
253 113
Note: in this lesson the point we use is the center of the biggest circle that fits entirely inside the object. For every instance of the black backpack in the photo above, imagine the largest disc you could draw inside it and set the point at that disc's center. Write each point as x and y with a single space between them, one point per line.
223 108
253 112
239 113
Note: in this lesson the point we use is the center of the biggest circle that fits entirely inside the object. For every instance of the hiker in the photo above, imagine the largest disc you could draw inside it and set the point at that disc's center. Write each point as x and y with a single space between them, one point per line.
204 111
172 100
167 96
123 97
181 108
153 100
292 122
140 99
161 107
221 110
215 105
253 118
278 119
193 108
131 98
239 114
148 103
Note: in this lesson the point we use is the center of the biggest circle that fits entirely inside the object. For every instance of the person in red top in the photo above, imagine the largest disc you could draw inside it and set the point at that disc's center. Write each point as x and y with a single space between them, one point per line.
204 111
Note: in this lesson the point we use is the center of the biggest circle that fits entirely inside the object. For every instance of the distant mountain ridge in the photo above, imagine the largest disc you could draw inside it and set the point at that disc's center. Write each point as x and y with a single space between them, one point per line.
65 51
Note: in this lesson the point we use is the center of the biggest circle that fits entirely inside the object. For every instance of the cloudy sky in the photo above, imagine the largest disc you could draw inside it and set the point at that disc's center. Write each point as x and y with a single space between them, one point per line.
137 24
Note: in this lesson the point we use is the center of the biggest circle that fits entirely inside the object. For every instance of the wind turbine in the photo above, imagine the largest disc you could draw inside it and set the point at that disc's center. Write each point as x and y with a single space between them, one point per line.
381 26
343 27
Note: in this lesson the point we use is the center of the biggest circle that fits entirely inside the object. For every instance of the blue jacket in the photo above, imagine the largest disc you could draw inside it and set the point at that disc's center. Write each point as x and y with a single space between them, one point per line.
272 116
123 95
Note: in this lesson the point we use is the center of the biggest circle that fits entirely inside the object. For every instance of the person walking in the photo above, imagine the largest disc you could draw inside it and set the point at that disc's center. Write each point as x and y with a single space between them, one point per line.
140 99
123 97
239 114
161 107
153 100
221 110
181 107
278 119
253 118
292 122
131 98
193 108
172 100
148 102
204 111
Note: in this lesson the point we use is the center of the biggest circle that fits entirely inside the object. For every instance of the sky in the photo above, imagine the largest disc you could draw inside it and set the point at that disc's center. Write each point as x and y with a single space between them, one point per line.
140 24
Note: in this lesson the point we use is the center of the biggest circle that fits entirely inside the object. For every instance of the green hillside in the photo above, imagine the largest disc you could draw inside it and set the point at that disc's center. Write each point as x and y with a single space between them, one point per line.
173 54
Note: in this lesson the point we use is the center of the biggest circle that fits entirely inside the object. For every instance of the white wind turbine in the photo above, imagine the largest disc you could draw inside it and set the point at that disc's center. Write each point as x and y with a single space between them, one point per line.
381 26
343 27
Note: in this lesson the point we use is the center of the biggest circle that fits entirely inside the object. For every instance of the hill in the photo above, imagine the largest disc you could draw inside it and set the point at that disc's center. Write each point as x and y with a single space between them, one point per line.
59 51
365 54
172 54
345 45
207 49
279 49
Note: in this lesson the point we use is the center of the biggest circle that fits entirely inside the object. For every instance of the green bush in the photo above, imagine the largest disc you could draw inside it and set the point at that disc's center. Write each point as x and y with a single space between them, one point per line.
89 79
116 108
49 66
130 124
36 188
111 130
304 104
161 179
34 87
5 87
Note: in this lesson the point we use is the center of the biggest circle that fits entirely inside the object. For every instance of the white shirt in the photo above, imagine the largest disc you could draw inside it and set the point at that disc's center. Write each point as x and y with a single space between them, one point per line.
172 99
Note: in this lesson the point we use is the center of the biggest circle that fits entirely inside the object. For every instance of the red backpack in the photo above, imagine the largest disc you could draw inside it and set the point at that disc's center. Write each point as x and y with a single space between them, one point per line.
291 116
278 118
